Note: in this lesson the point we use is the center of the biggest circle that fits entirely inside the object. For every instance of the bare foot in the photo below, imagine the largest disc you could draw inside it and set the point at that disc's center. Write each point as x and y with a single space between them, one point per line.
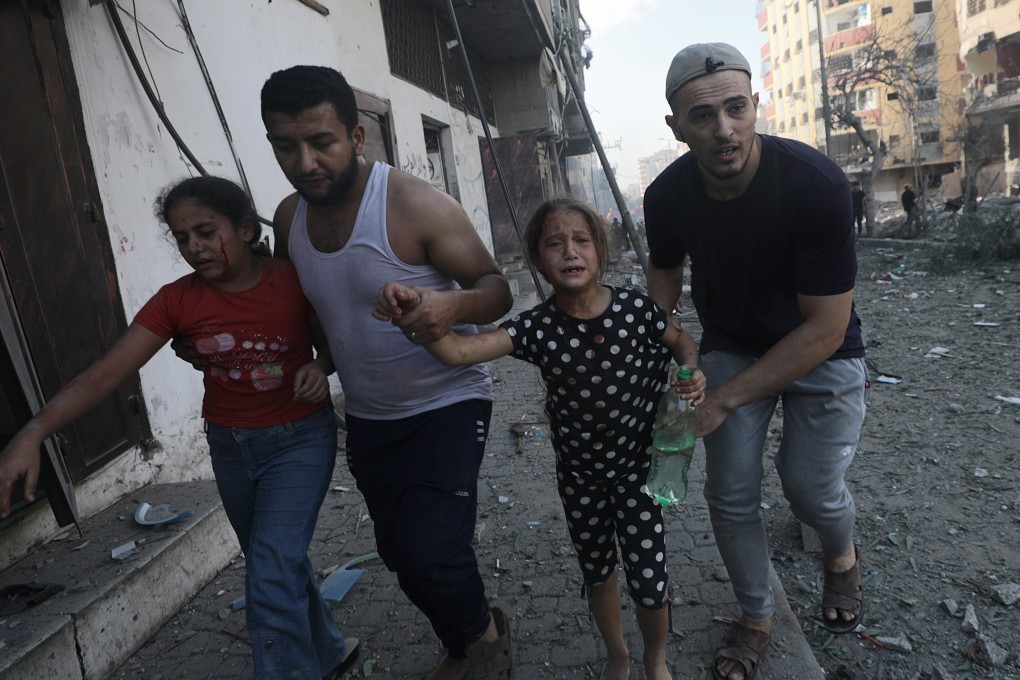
616 668
449 669
657 670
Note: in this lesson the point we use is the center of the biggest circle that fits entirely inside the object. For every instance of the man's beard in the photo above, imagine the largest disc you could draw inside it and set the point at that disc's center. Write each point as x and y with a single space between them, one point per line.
339 190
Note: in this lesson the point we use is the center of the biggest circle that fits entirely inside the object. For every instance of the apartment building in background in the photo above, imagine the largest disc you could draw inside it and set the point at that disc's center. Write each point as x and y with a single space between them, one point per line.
649 167
990 51
912 109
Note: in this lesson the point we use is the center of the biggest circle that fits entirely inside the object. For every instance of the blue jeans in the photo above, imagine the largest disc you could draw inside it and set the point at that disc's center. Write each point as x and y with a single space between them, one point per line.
822 416
272 481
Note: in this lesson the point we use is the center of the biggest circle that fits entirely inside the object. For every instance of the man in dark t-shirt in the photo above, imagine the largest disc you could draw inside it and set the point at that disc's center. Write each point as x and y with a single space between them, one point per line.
767 225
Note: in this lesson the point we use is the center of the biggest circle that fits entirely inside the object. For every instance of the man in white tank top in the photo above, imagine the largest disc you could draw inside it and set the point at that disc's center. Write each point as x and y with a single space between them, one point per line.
416 428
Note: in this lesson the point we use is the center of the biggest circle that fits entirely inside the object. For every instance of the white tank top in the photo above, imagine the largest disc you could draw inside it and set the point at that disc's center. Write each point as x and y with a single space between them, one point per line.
384 376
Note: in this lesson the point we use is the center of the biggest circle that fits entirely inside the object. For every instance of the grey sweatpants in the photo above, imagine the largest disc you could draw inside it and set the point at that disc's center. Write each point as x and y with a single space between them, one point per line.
822 416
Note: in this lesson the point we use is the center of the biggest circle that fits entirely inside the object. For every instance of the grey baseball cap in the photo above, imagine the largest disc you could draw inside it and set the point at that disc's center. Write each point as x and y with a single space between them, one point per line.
701 59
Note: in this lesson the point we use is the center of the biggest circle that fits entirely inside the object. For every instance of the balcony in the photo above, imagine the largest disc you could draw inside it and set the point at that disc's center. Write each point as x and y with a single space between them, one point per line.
849 38
499 30
991 94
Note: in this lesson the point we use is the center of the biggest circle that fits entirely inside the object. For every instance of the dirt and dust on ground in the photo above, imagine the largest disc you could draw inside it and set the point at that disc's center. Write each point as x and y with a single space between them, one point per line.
936 478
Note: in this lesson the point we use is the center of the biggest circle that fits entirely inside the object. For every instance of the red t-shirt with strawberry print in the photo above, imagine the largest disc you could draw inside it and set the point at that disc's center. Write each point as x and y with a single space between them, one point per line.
253 342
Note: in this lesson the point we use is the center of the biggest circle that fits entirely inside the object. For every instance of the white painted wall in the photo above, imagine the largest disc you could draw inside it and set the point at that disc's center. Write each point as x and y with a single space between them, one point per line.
135 157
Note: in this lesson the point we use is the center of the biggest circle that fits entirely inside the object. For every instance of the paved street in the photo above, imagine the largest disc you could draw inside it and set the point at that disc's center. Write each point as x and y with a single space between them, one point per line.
527 562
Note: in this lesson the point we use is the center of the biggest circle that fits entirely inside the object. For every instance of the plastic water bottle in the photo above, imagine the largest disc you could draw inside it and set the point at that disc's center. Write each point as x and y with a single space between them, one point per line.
676 427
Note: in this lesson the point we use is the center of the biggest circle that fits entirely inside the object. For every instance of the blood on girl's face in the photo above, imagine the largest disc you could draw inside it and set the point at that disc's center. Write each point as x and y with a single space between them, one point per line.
209 241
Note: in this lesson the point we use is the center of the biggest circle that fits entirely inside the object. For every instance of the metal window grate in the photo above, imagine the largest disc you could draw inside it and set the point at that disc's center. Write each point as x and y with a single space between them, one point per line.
416 41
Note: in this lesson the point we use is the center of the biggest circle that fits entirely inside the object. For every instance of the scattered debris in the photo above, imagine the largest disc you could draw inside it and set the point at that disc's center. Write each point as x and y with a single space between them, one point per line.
970 620
1008 593
333 587
155 515
1008 400
18 597
889 379
122 552
984 651
950 606
939 352
900 643
337 584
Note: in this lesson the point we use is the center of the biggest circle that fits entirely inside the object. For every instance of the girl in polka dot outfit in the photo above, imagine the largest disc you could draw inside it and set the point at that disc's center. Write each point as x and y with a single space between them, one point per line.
603 353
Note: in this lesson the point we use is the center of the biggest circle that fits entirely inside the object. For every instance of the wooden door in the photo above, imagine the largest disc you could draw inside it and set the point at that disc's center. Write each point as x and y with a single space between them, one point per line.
54 246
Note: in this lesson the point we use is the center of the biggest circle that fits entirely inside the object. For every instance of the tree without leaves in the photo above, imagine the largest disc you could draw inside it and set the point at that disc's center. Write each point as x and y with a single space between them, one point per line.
899 60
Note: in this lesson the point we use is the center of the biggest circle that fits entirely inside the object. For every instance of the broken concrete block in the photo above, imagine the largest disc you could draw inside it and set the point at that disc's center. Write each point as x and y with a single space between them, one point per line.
1008 593
900 643
970 620
983 650
950 607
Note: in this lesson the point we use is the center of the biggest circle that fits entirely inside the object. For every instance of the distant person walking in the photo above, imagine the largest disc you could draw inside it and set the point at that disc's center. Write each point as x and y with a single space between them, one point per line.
909 200
860 201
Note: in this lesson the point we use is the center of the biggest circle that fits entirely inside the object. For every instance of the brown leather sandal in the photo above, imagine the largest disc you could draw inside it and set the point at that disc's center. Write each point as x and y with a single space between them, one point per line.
743 645
492 660
843 592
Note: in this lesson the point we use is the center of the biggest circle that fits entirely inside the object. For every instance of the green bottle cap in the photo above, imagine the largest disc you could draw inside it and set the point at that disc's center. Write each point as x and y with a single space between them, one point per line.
685 373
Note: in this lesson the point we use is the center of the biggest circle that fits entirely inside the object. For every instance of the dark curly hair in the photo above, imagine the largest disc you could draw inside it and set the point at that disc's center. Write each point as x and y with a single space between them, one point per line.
298 88
219 194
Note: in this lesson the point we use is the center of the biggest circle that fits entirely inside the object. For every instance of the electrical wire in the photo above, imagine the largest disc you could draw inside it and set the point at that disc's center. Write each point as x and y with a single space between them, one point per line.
212 93
112 10
568 70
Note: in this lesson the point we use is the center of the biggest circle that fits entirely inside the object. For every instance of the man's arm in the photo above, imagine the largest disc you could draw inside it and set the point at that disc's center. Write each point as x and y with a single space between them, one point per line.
428 226
796 354
282 219
665 285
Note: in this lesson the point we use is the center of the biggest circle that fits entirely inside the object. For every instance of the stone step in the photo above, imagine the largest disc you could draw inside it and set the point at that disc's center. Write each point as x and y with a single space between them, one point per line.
109 607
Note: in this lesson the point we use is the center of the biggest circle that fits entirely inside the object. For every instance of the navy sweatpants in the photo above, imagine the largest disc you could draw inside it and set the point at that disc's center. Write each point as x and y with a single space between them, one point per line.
419 477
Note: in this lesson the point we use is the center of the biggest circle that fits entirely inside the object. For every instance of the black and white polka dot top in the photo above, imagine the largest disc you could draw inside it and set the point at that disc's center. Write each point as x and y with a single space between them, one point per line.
603 375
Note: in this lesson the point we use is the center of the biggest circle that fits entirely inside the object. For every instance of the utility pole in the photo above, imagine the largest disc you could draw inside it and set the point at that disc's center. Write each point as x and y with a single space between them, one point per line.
628 222
823 72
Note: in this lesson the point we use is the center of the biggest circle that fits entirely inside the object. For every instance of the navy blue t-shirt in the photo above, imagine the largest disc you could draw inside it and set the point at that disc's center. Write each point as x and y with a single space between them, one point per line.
791 232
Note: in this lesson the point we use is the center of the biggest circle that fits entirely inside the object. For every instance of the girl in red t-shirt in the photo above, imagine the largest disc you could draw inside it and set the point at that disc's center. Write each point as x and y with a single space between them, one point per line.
269 420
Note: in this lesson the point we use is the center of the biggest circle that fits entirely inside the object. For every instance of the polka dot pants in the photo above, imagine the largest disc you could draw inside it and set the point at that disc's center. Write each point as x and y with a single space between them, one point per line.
601 512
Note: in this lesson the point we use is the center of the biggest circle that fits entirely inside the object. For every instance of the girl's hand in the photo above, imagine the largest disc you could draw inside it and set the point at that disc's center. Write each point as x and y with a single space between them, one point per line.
394 299
19 459
692 389
310 384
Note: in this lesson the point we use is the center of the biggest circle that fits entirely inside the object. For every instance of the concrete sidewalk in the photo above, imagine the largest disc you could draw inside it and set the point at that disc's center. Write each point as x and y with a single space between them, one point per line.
528 565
